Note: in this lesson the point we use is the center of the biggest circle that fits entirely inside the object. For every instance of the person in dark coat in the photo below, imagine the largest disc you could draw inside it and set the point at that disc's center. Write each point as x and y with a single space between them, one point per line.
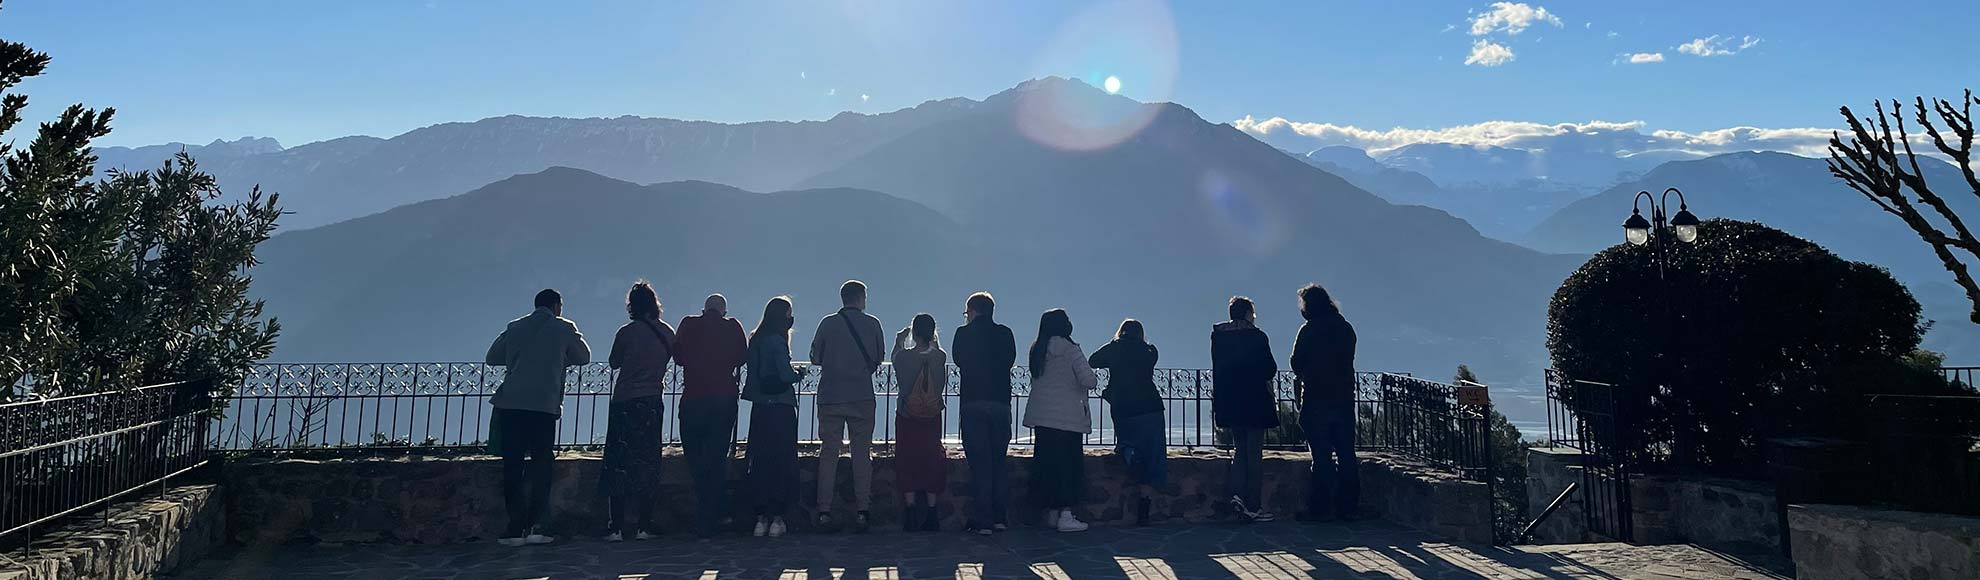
1242 400
1323 359
984 352
1140 428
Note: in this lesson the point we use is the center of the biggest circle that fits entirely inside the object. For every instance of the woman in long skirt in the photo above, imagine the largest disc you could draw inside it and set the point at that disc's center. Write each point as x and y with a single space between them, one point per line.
635 424
772 449
921 464
1061 380
1139 425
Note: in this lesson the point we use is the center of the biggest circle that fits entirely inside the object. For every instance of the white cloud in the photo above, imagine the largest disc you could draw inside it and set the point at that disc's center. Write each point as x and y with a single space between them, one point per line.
1488 54
831 92
1715 46
1613 35
1619 138
1511 18
1447 28
1645 57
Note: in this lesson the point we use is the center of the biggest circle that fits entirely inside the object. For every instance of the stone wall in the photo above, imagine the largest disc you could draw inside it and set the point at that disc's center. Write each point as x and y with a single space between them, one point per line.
1730 515
1846 542
454 499
142 538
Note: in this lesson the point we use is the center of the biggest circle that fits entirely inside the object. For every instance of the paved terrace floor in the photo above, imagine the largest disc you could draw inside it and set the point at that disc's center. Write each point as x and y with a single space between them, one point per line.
1369 549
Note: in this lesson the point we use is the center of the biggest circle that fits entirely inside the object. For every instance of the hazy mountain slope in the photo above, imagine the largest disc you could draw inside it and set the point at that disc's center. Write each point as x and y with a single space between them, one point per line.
1168 224
1501 211
340 179
438 279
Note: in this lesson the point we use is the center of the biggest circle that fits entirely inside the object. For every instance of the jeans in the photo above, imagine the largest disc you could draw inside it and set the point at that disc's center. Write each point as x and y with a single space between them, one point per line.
1246 475
838 420
526 485
708 429
1336 480
986 440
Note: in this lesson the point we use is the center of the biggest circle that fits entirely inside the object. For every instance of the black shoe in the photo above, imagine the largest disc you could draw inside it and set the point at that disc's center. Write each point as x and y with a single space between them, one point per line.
860 522
825 523
1141 509
911 518
931 519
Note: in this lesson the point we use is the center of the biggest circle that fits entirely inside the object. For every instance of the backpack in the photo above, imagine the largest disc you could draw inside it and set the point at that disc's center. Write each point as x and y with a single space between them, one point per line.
923 400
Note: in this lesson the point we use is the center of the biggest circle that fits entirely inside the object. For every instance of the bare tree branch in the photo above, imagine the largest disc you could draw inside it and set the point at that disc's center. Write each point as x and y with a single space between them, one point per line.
1872 164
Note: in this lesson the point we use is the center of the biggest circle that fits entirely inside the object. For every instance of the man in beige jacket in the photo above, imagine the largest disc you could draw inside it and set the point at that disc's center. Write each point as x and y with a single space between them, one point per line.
535 349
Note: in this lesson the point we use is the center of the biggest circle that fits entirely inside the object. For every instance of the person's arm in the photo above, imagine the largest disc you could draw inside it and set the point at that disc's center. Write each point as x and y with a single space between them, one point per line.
960 344
1302 352
1007 355
873 344
780 351
578 352
618 356
1271 362
941 362
818 342
1082 371
498 353
1103 358
736 347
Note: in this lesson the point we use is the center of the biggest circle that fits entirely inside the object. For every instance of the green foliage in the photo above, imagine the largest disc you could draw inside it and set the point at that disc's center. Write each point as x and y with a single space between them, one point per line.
1508 469
1762 333
136 279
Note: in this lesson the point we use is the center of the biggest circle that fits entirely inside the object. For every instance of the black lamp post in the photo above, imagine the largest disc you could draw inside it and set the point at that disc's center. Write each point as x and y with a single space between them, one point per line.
1682 227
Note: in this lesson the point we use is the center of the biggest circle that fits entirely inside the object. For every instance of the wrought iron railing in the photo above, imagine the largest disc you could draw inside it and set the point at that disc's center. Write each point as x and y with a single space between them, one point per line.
440 406
67 455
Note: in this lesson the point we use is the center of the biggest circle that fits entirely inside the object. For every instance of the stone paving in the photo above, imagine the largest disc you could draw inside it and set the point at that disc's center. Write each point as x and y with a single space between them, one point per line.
1368 549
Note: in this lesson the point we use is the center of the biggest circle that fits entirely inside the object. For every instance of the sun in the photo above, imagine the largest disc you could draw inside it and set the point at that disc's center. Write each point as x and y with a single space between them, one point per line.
1112 84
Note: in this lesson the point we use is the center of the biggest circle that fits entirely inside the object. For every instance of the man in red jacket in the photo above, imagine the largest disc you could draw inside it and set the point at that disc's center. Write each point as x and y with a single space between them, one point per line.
711 348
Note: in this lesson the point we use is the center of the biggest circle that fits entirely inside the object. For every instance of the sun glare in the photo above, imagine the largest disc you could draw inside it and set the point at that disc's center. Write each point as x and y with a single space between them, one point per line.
1113 85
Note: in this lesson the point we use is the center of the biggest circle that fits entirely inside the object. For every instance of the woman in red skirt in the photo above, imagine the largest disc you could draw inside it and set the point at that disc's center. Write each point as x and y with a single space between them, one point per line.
921 465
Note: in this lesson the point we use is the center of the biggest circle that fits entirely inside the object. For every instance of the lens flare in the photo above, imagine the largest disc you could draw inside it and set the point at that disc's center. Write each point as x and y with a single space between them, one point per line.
1245 217
1097 47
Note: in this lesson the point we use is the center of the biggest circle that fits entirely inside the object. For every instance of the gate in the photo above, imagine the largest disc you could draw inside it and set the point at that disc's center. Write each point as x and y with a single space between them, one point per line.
1597 418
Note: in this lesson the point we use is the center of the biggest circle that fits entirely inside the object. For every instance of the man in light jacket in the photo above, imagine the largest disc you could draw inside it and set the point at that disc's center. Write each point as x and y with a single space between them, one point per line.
535 349
848 347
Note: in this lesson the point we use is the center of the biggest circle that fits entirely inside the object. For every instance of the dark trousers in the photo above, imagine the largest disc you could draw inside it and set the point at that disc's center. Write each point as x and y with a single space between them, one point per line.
986 440
526 485
1246 476
1058 469
772 457
708 431
1336 480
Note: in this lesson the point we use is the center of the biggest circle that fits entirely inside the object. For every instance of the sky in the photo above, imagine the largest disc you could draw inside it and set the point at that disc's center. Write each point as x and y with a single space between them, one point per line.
308 71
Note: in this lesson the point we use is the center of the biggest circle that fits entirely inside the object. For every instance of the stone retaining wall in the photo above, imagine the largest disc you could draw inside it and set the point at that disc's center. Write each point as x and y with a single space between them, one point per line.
143 538
1847 542
1729 515
453 499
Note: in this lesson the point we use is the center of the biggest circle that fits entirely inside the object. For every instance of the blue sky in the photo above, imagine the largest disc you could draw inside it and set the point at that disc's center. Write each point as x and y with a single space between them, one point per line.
305 71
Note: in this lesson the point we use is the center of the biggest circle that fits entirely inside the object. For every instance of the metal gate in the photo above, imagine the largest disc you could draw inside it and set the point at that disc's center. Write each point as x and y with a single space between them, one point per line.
1607 437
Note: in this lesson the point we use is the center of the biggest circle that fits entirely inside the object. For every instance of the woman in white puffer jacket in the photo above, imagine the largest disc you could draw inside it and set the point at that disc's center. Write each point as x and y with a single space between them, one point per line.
1061 381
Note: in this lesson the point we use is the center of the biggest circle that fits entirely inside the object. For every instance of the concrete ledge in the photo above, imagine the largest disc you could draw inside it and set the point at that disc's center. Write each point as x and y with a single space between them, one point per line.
1838 542
436 500
144 538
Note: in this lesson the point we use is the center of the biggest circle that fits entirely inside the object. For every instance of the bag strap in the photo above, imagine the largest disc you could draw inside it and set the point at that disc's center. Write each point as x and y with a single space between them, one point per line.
857 341
664 344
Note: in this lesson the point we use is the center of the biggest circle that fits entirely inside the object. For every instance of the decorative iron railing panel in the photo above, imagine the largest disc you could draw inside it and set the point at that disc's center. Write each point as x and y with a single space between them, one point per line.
65 455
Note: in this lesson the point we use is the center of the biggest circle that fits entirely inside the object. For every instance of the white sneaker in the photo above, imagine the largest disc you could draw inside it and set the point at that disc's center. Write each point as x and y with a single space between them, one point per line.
777 528
762 527
1068 523
510 542
1262 516
1000 528
643 536
538 539
614 537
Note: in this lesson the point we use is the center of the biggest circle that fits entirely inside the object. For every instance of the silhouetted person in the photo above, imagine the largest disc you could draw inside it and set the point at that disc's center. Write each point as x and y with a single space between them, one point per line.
1323 359
1242 401
984 352
921 465
1061 380
635 425
772 392
848 347
1140 428
535 349
711 350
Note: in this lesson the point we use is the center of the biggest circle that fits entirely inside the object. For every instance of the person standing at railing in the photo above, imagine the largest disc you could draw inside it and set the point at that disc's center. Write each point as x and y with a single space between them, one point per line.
921 465
848 346
1323 359
1241 400
1058 414
1140 428
984 353
711 350
534 349
771 390
635 424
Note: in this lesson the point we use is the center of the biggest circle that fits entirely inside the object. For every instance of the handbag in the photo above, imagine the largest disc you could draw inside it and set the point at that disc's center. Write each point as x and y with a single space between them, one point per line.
923 401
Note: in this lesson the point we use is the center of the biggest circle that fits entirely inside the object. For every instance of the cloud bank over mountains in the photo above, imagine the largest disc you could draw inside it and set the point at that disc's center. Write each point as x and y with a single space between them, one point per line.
1622 139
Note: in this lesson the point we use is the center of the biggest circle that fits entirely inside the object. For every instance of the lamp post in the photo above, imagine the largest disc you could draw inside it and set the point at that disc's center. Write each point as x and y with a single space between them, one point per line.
1659 235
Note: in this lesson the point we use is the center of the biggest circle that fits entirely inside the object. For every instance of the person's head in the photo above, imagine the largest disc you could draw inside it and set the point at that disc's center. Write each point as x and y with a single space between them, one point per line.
777 318
1242 309
1053 323
1315 301
923 330
642 303
1130 331
716 305
980 304
551 300
852 294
